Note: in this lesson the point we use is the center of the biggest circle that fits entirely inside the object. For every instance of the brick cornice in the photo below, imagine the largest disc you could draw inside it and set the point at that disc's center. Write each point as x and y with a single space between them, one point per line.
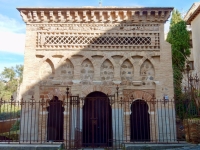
95 14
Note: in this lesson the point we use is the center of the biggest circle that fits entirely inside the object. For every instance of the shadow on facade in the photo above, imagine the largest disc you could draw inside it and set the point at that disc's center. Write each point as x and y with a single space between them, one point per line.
91 60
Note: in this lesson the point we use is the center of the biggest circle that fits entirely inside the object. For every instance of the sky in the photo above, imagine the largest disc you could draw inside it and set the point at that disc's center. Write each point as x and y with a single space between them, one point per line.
12 28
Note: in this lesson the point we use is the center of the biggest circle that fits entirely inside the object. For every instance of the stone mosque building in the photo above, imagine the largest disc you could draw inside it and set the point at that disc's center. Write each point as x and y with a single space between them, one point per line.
96 52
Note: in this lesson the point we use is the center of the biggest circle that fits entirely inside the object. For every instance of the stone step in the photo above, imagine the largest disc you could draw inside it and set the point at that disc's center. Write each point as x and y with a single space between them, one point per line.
93 149
29 146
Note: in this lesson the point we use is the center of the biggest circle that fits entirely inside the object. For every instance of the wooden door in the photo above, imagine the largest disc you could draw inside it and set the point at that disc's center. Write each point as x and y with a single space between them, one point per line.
97 123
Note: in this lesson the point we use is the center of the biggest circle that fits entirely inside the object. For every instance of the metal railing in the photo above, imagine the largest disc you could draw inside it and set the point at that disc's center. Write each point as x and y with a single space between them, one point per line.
98 120
101 121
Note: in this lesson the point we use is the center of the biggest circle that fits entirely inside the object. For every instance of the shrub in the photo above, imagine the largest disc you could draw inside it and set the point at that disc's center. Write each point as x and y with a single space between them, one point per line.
9 111
15 126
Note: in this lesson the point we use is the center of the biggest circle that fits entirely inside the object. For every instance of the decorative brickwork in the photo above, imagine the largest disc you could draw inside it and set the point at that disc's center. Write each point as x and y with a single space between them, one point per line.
118 35
127 72
147 73
87 72
46 71
107 71
97 50
65 71
102 14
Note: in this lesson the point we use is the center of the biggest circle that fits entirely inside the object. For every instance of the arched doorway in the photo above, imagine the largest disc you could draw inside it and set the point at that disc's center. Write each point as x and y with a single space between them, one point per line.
97 120
139 120
55 120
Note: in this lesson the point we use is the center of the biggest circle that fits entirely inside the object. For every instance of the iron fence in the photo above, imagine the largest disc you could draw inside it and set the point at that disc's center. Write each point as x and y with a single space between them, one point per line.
95 121
100 120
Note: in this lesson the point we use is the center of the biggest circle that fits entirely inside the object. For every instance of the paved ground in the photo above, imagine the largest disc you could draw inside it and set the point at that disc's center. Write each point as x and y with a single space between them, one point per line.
56 147
29 146
194 147
180 146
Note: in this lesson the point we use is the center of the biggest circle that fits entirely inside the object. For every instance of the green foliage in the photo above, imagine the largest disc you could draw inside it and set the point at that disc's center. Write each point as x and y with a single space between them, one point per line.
9 111
10 80
13 135
181 106
11 85
19 72
192 110
186 107
15 126
179 38
8 73
62 147
5 95
176 17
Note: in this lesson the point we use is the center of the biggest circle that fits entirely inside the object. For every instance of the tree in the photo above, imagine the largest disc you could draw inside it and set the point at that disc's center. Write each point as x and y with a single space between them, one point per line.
179 38
19 72
10 80
8 73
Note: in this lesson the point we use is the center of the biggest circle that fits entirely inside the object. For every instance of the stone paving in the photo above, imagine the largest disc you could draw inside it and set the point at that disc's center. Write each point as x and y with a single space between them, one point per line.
193 147
7 146
56 147
181 146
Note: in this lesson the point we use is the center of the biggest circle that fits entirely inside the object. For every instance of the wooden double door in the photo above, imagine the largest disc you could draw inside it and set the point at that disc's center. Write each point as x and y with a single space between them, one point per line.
97 121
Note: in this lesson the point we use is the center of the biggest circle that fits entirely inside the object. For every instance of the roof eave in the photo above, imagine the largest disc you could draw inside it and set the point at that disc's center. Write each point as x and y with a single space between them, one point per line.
194 14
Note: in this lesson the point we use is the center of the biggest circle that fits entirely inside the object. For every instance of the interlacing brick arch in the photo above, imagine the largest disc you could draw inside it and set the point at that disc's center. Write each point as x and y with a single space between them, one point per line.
100 88
147 58
56 92
45 58
140 95
67 56
82 59
48 60
89 58
110 59
126 58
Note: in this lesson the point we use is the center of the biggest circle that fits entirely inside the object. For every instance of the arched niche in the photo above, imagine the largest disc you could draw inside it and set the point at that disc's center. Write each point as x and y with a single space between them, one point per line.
87 71
65 71
127 72
147 72
139 121
55 120
46 70
107 71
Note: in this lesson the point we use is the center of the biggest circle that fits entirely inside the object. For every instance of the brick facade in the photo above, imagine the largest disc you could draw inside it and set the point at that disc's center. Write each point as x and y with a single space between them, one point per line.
96 49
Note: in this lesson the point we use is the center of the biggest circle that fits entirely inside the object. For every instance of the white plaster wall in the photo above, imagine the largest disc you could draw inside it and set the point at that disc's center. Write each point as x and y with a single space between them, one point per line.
166 125
117 126
195 24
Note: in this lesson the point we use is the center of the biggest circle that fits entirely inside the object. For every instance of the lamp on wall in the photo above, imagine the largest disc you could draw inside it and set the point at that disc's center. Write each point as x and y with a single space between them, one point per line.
165 98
